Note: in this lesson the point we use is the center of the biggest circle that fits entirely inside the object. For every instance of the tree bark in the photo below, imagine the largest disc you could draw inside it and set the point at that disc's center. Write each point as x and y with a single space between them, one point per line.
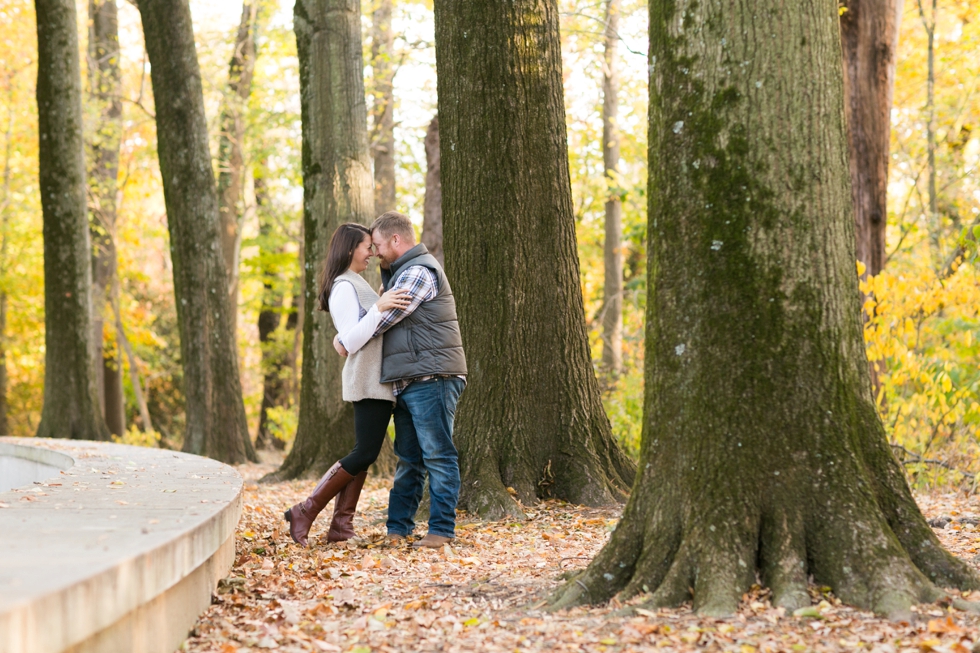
762 450
231 157
612 317
276 357
934 221
531 417
70 398
105 89
134 375
869 36
383 109
216 424
4 226
432 205
337 188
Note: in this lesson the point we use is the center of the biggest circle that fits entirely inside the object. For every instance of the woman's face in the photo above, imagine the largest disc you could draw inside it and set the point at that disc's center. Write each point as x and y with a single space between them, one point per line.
362 255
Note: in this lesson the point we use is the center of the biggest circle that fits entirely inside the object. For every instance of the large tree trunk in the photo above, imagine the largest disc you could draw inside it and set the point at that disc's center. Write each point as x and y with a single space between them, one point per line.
216 424
762 450
869 36
432 205
383 109
337 188
612 311
531 417
231 157
70 398
105 89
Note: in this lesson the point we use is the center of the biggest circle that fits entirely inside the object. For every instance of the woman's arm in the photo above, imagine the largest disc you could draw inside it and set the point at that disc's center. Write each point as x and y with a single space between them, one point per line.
358 334
344 308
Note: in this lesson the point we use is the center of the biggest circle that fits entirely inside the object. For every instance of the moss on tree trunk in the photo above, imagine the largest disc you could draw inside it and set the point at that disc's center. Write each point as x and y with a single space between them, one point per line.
216 424
531 417
70 397
762 452
337 188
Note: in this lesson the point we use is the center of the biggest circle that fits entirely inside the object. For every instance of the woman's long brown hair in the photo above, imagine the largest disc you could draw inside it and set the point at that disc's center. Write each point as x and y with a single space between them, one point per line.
339 256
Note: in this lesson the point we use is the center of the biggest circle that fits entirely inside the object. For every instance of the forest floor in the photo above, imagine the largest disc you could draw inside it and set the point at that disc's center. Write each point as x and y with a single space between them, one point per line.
484 592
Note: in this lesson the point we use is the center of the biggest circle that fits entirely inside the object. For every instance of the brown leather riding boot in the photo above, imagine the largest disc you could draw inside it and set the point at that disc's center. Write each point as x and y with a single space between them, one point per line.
301 516
342 524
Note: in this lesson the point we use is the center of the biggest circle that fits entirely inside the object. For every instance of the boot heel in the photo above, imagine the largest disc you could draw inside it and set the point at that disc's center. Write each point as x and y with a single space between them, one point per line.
288 516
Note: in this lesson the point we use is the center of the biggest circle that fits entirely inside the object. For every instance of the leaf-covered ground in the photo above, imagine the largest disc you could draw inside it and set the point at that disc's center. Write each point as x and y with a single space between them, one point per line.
484 592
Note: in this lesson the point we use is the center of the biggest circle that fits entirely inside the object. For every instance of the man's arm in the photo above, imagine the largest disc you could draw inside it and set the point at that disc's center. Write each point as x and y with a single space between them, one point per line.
420 284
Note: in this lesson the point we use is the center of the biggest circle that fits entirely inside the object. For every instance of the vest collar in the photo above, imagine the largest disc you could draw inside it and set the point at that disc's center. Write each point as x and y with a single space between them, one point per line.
396 267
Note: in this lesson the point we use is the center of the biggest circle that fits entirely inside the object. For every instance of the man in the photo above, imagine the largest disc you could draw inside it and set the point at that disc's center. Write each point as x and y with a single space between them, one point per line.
423 360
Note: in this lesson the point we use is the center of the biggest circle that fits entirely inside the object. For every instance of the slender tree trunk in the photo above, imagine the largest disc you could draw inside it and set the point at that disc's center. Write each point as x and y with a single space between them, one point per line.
934 219
4 225
134 374
216 424
432 205
762 451
612 318
531 417
105 89
337 188
869 36
70 398
231 157
275 358
273 386
299 315
383 110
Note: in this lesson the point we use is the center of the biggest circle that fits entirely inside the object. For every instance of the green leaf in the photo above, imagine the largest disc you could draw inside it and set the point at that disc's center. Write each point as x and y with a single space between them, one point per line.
809 611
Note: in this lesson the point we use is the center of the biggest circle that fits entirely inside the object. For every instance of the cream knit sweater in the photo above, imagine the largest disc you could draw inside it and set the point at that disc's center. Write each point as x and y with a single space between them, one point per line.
362 370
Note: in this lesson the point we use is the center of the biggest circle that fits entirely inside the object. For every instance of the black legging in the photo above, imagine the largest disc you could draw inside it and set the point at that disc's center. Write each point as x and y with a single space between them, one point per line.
371 418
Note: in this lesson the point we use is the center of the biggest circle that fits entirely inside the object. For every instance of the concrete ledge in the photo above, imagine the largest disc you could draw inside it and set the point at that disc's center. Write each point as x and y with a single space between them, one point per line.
120 552
20 465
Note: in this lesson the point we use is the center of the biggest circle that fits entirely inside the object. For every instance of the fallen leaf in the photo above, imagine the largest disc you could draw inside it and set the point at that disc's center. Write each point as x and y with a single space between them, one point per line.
810 612
944 626
367 562
344 597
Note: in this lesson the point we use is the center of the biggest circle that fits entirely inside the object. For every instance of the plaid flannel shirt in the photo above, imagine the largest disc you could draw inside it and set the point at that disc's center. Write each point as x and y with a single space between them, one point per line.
422 286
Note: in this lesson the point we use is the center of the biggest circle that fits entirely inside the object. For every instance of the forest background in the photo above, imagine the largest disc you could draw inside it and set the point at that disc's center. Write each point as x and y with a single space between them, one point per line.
922 330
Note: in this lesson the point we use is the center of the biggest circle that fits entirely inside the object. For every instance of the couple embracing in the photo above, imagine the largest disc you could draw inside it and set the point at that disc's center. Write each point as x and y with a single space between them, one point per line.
404 357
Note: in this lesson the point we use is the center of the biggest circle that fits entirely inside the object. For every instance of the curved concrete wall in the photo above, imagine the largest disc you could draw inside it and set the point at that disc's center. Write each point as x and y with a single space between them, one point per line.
20 465
119 552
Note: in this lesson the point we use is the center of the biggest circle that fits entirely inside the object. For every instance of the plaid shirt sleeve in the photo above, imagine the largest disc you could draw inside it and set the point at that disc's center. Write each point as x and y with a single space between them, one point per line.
421 285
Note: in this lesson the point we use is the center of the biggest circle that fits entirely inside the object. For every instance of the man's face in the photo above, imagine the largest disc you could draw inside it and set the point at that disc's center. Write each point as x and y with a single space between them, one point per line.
383 248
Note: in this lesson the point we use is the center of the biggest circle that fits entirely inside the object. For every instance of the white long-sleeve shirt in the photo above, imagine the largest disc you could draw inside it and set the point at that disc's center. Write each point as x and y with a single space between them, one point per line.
354 330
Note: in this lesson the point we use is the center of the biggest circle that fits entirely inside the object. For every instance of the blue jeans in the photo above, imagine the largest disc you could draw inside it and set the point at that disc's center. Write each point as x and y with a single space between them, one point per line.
424 415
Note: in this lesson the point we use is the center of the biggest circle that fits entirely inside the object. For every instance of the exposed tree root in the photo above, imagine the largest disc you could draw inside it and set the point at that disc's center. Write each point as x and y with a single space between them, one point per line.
842 539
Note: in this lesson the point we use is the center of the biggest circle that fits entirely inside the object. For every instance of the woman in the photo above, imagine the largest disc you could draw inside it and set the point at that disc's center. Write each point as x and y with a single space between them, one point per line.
349 300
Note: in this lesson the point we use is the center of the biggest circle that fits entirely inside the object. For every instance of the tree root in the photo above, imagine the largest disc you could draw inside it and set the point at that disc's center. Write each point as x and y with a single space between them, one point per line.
862 560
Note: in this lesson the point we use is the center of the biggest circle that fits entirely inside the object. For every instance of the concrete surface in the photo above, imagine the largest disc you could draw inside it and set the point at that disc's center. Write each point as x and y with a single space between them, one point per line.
120 552
20 465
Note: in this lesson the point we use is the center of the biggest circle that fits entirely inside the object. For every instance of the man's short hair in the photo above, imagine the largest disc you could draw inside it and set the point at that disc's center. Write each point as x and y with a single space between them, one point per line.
391 223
